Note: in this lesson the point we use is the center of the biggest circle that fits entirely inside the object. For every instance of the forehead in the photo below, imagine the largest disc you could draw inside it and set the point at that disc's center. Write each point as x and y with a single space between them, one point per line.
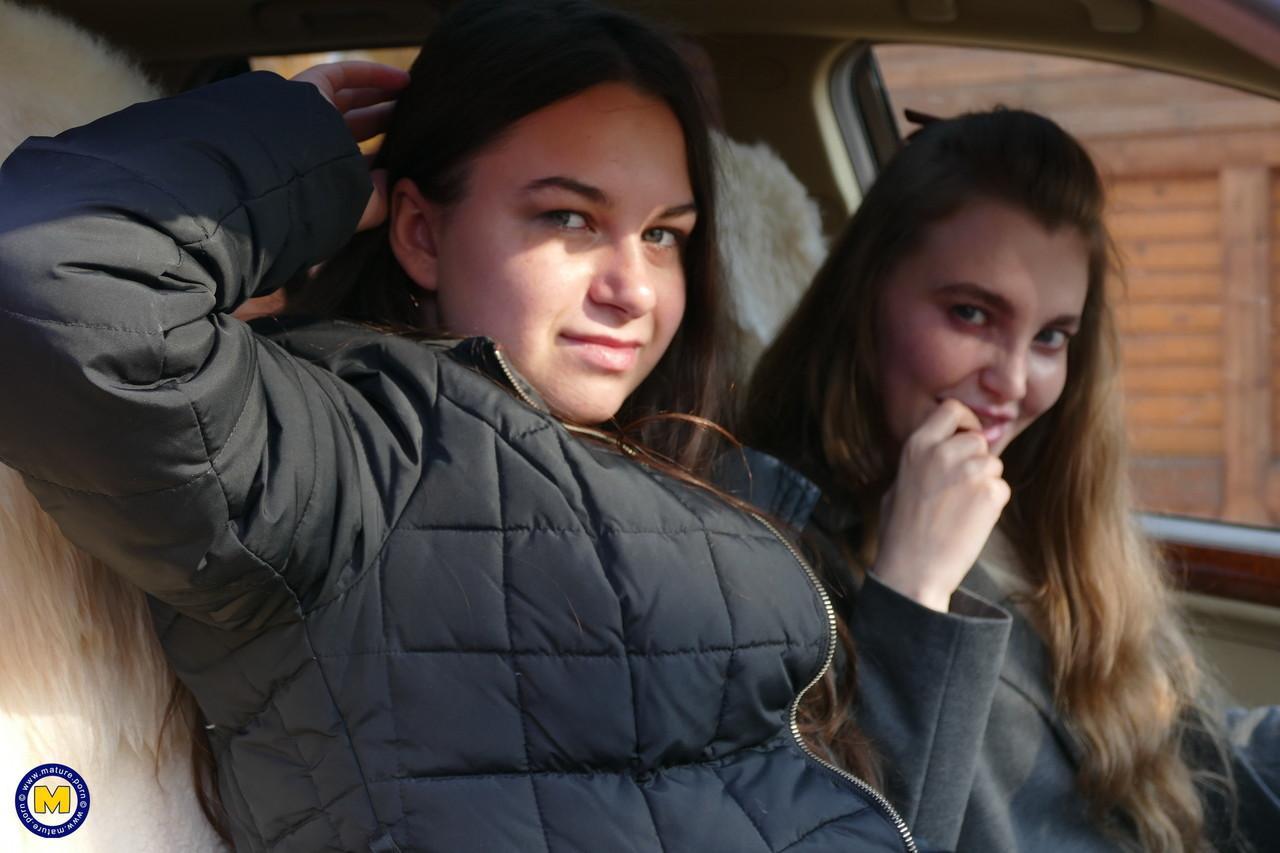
611 136
1005 250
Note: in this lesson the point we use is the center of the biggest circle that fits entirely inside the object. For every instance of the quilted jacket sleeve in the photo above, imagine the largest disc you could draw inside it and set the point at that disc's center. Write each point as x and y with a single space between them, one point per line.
215 471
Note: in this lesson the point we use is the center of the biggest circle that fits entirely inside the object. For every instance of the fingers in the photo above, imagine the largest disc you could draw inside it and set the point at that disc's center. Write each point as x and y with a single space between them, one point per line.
368 122
334 77
960 446
948 495
364 92
353 99
981 468
1000 492
360 74
950 417
947 438
941 451
356 87
260 306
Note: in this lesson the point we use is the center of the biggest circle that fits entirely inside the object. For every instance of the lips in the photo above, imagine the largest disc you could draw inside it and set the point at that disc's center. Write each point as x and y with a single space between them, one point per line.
994 423
602 352
994 426
994 433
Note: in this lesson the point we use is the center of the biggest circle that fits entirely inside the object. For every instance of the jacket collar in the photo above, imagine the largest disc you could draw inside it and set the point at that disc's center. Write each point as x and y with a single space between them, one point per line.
767 483
751 475
485 355
314 338
754 476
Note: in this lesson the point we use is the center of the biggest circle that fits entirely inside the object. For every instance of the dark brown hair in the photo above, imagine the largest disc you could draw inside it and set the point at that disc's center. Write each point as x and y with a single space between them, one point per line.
489 64
1123 673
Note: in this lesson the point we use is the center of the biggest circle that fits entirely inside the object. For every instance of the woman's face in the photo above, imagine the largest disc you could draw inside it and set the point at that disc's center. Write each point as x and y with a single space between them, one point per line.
567 246
982 314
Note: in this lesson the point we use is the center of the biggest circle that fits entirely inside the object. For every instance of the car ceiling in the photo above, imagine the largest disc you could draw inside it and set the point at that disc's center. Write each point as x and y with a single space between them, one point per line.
164 32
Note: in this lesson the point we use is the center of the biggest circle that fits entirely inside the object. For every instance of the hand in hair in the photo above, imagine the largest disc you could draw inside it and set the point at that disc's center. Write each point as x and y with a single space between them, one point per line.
941 509
365 93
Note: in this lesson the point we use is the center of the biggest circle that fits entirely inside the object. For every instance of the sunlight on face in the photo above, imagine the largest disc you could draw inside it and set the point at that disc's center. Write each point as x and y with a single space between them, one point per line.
981 313
567 247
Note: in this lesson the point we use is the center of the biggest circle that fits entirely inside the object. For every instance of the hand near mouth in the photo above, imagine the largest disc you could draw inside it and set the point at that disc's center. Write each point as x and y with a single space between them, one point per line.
942 507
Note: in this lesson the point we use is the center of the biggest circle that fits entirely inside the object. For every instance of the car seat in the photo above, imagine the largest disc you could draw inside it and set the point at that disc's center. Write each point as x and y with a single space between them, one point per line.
83 681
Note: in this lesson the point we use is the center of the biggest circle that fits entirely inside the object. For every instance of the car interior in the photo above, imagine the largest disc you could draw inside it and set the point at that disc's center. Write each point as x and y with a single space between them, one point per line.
1178 100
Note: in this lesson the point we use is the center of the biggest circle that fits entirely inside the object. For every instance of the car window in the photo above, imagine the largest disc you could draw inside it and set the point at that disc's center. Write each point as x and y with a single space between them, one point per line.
1192 207
287 66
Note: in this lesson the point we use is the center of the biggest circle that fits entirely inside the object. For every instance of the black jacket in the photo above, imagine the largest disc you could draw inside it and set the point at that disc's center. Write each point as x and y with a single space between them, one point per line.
419 613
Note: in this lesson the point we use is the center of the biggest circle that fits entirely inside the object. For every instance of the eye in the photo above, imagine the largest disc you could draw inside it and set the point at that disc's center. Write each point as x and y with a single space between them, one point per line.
970 314
664 238
566 219
1053 339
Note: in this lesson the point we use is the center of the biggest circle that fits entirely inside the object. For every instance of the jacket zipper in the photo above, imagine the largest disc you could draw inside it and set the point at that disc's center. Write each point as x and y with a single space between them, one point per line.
876 797
511 378
600 434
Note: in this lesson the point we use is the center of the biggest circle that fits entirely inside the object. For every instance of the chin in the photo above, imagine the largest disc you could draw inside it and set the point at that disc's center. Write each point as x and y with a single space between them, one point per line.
1007 443
591 419
592 413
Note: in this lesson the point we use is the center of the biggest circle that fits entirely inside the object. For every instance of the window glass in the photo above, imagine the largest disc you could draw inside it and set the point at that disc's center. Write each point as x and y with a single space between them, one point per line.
1193 192
287 66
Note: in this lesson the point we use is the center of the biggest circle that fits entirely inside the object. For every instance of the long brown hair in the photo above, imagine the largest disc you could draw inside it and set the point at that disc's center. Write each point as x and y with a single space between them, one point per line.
1124 675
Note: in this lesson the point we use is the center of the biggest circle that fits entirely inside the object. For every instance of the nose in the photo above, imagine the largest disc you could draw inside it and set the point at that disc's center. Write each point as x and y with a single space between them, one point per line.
622 281
1005 376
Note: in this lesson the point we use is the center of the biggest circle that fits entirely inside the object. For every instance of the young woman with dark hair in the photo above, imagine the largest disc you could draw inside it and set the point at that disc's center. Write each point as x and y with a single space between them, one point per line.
954 365
429 591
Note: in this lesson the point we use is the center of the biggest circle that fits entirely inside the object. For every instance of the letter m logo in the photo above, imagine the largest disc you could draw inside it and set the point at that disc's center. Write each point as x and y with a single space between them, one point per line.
45 800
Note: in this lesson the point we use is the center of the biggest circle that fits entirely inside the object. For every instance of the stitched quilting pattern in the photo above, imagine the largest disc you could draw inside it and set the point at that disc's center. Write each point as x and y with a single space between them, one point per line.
559 650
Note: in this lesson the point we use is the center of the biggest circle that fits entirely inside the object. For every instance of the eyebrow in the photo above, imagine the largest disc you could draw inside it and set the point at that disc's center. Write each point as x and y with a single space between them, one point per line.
996 302
597 195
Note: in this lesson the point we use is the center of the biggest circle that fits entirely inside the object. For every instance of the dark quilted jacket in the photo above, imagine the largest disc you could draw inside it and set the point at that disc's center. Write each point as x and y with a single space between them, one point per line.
420 614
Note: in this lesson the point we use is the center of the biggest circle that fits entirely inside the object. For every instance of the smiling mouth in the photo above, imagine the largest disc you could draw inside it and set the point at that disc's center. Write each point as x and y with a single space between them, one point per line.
992 426
610 355
994 432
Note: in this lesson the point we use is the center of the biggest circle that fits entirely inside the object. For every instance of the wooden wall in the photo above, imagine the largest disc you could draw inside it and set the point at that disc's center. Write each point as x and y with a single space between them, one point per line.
1195 210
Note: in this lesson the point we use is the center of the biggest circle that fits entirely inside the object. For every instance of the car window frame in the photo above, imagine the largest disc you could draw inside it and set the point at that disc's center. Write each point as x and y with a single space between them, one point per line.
1210 557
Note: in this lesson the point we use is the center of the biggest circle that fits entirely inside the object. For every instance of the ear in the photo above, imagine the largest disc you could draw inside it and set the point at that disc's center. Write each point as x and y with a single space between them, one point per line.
415 223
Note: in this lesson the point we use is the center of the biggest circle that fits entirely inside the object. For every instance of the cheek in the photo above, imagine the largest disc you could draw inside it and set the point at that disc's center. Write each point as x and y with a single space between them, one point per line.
506 291
672 300
924 356
533 292
1045 383
912 370
468 300
471 273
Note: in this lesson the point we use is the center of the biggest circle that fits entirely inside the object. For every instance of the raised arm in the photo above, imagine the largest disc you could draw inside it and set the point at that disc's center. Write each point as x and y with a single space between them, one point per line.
926 684
930 653
199 460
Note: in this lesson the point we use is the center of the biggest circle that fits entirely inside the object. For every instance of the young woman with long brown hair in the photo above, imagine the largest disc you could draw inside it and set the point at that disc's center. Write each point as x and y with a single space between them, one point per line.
950 382
428 594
